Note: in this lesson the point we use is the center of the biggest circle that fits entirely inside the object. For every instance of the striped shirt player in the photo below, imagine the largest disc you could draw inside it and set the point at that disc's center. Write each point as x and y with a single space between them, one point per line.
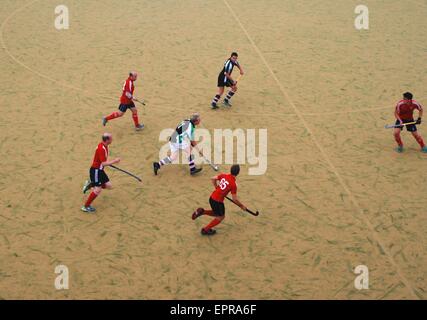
404 113
182 139
225 80
98 178
224 184
126 102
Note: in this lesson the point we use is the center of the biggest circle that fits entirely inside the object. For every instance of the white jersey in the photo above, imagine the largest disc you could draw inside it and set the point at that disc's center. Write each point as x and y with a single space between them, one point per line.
184 133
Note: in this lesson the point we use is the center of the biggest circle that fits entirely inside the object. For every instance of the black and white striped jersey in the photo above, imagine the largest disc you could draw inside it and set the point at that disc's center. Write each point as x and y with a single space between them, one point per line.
228 66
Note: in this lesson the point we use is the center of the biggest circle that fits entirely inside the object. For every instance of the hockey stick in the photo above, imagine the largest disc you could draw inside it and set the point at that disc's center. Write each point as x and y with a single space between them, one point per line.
213 166
390 126
128 173
141 102
247 210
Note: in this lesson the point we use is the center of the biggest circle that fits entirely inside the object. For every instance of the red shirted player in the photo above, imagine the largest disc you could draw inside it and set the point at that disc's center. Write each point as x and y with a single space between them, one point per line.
223 183
126 102
98 178
404 113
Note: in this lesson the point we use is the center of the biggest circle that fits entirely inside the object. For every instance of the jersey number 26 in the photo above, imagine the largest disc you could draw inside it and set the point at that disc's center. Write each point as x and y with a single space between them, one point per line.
223 184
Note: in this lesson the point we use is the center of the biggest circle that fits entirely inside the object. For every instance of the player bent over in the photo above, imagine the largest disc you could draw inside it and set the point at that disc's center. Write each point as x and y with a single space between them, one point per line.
182 139
126 102
225 80
404 113
223 183
98 178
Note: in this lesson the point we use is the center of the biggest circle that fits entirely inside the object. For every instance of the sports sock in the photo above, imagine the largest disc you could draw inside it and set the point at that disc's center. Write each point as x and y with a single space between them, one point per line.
212 224
112 116
398 140
229 95
135 119
90 199
164 161
191 163
216 99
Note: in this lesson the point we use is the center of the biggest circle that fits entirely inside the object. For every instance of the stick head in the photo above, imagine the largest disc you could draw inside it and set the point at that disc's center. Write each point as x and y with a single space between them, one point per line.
252 213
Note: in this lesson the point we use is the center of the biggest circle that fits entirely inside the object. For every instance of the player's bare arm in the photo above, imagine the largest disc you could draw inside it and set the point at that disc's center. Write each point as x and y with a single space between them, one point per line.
420 115
396 114
240 68
214 181
237 201
110 162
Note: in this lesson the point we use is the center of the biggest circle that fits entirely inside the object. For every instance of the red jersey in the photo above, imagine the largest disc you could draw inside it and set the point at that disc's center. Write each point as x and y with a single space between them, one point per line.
127 87
405 109
101 155
227 183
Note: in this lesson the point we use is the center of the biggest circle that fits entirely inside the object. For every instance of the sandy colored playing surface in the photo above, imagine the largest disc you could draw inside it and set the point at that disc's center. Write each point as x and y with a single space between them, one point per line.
335 195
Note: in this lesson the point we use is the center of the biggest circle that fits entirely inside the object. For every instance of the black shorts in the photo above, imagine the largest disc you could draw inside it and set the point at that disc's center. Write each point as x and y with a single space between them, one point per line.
124 107
217 207
98 177
223 81
409 127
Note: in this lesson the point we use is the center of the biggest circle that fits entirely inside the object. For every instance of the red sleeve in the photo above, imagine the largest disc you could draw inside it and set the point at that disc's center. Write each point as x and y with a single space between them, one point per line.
233 189
419 106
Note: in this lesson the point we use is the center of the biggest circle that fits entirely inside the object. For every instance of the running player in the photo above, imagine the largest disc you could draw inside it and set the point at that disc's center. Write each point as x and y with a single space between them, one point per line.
126 102
404 113
98 178
223 183
225 80
182 139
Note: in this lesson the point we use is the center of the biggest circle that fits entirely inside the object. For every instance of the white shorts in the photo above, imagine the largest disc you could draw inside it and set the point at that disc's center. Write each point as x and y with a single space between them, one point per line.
175 147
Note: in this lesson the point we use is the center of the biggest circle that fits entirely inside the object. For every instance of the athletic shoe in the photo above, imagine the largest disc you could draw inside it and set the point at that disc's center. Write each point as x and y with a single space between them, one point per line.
88 209
197 213
227 103
195 170
156 167
139 127
104 121
214 106
87 186
424 149
209 232
399 149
